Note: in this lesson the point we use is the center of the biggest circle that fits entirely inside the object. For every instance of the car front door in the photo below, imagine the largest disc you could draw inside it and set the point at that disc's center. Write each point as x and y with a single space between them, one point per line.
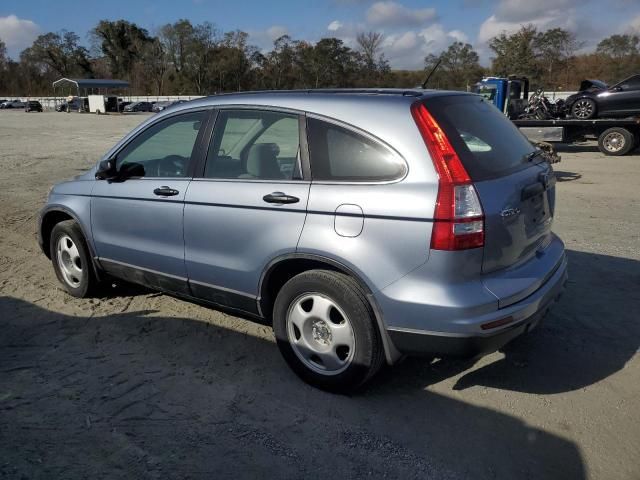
137 220
248 207
622 99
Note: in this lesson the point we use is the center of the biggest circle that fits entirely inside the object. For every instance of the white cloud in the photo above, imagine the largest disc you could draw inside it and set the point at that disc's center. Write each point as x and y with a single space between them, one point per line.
633 26
17 33
406 50
335 26
459 36
264 39
276 31
392 14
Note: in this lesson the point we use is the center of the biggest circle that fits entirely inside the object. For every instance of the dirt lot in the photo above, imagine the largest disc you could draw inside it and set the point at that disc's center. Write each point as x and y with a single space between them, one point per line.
141 385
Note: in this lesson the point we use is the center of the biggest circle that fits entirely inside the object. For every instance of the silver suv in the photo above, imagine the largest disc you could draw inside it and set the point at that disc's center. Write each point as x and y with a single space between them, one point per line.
364 225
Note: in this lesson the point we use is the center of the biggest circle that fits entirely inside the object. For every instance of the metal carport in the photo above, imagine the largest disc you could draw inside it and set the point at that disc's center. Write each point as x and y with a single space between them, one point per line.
89 86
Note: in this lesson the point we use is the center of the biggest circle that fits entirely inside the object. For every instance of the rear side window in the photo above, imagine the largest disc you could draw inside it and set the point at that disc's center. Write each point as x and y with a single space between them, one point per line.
254 145
339 154
488 144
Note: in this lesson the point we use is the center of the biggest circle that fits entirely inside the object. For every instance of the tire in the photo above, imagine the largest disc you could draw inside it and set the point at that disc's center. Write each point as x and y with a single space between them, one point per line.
616 141
71 259
584 109
337 346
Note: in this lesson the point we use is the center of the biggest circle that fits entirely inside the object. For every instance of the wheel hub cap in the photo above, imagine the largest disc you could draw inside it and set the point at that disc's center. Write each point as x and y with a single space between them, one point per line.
320 334
69 261
614 142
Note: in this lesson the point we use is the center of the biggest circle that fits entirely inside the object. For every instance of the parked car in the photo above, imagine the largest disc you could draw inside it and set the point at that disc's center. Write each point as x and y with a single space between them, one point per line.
115 104
138 107
596 99
160 106
363 225
75 105
12 104
33 106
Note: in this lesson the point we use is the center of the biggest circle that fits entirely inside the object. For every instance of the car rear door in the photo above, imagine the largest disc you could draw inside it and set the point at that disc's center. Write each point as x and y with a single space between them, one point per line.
515 185
137 220
249 205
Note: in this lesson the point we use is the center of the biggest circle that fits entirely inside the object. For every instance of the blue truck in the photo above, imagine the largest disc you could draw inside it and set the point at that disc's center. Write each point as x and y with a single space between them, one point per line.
615 136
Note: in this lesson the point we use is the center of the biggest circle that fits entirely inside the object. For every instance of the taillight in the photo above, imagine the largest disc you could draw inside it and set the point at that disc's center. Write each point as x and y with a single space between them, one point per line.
459 218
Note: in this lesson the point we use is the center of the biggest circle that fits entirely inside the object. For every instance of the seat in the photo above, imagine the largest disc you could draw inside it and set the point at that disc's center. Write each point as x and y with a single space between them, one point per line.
262 162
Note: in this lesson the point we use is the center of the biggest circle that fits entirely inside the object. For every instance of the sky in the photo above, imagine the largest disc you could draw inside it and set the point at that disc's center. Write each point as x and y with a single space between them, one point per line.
412 29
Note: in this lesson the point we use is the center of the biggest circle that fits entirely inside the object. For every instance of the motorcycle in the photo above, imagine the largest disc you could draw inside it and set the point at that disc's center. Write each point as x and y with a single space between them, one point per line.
541 108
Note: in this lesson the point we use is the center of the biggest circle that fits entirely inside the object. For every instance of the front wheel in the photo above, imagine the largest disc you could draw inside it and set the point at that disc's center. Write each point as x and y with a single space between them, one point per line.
583 109
616 141
326 330
71 259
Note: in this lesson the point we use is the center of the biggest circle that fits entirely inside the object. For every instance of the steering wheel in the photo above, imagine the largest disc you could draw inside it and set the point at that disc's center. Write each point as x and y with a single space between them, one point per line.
172 166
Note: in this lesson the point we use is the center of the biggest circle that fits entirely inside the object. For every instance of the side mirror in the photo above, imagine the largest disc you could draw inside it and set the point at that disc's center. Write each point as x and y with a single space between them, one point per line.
106 169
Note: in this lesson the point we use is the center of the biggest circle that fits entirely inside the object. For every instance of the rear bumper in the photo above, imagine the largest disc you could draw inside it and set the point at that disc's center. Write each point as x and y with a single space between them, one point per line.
524 316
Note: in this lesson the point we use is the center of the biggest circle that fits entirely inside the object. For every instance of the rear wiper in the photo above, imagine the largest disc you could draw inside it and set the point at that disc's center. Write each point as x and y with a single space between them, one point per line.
529 157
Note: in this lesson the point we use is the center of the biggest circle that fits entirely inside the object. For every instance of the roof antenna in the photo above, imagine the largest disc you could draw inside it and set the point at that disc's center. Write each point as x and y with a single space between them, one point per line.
435 67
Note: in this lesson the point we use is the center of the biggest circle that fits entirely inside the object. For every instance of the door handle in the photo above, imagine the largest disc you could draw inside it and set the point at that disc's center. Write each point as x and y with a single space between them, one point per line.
280 197
165 191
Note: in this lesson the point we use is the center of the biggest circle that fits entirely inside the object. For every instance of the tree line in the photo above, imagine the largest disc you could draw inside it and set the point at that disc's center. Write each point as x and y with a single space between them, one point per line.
198 59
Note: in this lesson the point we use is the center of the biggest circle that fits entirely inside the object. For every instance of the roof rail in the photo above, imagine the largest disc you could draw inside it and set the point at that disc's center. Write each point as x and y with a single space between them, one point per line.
347 91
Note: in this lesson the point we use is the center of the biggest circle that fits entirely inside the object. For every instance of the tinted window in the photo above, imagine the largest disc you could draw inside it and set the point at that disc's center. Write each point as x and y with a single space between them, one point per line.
488 144
632 83
164 149
337 153
253 144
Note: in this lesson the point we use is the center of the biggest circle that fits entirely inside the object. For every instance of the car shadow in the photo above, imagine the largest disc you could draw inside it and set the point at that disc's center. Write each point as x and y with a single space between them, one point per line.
562 176
145 396
576 147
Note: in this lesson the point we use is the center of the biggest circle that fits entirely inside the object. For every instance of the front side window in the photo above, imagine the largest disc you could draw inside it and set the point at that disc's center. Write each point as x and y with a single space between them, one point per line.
164 149
632 83
340 154
254 145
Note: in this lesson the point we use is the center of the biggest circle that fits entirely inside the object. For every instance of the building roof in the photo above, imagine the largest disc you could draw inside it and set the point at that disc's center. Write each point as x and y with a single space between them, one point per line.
92 83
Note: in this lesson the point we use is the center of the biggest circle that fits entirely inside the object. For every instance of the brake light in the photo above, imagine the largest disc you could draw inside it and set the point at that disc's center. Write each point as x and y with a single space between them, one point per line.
459 218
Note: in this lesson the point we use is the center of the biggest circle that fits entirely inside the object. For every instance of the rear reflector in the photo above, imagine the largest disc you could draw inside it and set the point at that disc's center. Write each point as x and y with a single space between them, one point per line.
458 218
496 323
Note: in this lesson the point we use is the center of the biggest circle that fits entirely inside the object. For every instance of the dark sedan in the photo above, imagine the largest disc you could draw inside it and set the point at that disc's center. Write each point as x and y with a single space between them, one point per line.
138 107
597 99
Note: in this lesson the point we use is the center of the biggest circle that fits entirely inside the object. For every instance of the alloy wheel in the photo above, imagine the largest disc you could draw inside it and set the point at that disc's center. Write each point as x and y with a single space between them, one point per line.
583 109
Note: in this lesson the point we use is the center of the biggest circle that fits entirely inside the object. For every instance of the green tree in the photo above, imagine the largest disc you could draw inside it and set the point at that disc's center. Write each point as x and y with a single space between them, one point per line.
516 54
621 55
555 49
123 43
459 67
59 54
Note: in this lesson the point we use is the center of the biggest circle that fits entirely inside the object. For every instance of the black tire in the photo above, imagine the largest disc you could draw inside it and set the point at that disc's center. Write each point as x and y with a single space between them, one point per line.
346 293
616 141
87 283
584 109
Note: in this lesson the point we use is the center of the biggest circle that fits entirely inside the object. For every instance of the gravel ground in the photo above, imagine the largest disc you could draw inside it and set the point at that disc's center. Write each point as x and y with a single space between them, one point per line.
141 385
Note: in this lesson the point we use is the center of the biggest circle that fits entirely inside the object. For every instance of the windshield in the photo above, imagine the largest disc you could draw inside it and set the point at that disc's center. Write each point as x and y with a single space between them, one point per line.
488 144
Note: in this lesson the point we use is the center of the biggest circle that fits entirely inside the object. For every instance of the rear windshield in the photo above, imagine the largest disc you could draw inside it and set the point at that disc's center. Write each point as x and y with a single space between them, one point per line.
488 144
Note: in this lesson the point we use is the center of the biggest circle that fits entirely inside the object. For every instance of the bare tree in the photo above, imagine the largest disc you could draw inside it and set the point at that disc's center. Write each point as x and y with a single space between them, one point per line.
371 44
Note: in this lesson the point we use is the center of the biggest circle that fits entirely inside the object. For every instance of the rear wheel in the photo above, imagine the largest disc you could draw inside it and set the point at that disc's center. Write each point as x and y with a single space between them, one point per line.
326 332
616 141
583 109
71 259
